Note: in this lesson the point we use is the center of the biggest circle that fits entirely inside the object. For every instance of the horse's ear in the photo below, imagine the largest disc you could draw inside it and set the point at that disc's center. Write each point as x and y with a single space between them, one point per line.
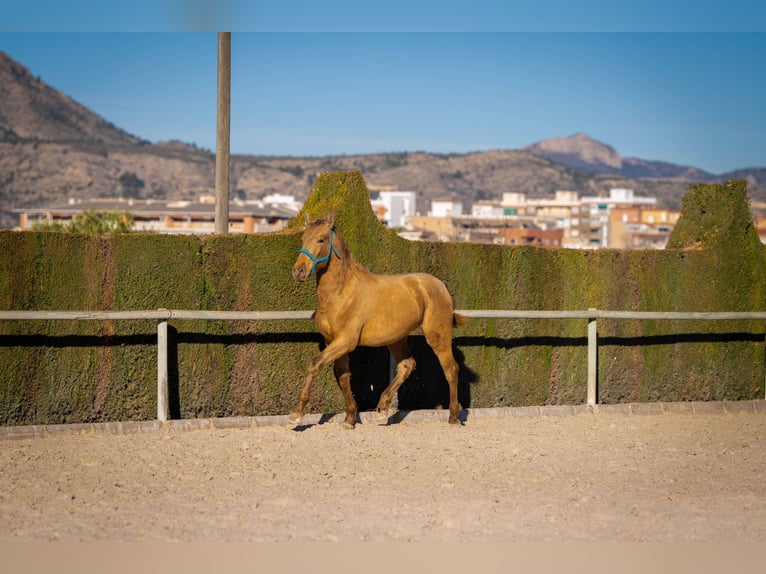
307 220
331 218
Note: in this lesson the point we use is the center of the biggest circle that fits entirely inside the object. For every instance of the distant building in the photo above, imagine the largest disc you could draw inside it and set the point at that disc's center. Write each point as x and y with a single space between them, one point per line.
640 227
279 199
621 221
761 228
185 217
486 210
394 208
531 236
598 209
504 231
434 228
586 221
446 208
759 211
562 212
498 231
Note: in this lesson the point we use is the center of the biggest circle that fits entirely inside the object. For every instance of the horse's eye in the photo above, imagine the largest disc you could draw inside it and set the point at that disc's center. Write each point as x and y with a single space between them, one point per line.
320 240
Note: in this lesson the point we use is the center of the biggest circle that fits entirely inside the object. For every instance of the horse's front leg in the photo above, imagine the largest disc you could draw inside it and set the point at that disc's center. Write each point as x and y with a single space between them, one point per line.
343 376
331 352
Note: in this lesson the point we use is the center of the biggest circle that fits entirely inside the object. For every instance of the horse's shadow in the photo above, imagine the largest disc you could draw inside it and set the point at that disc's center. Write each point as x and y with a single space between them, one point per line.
323 419
425 388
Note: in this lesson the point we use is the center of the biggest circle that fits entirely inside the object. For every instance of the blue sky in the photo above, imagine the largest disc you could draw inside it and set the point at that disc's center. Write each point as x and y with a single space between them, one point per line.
388 16
684 85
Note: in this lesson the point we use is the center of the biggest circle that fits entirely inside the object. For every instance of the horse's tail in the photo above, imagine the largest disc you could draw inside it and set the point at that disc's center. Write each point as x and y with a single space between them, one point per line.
459 320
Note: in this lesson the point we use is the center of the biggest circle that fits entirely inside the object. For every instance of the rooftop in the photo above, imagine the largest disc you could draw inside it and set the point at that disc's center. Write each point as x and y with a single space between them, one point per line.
142 207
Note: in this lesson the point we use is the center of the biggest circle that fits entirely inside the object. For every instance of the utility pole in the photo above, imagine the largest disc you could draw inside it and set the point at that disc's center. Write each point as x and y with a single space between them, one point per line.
223 130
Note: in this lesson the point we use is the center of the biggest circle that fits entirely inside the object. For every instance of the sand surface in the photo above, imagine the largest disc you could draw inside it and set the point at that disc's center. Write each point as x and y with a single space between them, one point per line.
603 477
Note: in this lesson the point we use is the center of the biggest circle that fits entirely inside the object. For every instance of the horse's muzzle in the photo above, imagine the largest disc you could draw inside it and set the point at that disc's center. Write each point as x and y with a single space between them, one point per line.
300 273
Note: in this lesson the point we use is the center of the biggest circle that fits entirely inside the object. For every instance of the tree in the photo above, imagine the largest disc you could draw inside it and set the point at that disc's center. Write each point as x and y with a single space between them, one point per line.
131 185
91 221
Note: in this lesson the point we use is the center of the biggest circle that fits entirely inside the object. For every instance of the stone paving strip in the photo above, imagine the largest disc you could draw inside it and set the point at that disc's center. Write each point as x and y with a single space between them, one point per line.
182 425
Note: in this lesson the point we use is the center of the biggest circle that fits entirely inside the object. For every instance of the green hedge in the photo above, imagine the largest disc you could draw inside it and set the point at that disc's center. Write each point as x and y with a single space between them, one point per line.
73 371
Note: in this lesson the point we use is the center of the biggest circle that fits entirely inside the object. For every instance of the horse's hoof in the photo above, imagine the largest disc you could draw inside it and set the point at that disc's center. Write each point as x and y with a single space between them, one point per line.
454 421
349 426
294 418
381 417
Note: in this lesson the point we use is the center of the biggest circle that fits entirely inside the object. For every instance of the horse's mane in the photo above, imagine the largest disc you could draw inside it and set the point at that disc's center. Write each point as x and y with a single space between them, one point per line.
350 264
360 271
347 259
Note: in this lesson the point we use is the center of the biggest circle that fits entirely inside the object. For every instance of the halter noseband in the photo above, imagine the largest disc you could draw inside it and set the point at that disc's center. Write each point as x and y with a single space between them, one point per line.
317 260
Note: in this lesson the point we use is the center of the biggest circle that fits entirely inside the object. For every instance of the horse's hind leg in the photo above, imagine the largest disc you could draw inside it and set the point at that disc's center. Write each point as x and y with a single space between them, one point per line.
343 376
442 346
405 364
450 368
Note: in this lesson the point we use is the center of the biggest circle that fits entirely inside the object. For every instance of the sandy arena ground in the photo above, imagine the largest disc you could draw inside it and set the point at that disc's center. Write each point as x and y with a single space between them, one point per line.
602 477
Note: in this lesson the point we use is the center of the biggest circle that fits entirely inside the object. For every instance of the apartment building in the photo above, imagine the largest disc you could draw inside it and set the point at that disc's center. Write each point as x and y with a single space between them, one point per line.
394 208
641 228
563 211
759 212
446 208
498 231
189 217
621 220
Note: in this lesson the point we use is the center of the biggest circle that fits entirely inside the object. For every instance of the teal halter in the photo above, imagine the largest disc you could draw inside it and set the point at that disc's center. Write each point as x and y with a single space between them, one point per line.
317 260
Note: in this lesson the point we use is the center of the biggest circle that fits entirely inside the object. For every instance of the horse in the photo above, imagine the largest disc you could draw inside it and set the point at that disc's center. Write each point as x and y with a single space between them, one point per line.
356 307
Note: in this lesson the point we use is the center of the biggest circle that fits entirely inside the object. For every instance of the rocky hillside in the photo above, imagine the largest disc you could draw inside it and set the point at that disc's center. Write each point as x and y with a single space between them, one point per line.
582 152
469 177
32 110
579 151
53 148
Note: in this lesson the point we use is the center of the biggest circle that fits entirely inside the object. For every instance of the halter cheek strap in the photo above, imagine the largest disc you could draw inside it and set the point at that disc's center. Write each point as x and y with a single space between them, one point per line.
317 260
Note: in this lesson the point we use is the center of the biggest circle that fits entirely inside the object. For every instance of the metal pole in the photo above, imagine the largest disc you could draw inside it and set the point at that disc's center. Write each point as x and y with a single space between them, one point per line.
162 370
592 360
222 134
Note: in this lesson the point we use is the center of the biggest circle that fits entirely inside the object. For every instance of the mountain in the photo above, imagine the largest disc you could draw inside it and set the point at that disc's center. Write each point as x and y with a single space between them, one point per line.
579 151
53 149
31 110
582 152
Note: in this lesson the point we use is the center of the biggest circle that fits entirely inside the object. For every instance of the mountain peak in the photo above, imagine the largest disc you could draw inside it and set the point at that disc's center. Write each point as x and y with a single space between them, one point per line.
582 152
579 151
10 66
30 109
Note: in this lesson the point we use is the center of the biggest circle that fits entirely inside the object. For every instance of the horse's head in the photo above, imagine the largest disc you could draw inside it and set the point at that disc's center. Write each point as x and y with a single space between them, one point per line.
317 248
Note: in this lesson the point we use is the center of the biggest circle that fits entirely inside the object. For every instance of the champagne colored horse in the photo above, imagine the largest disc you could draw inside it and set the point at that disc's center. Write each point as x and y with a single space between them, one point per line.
356 307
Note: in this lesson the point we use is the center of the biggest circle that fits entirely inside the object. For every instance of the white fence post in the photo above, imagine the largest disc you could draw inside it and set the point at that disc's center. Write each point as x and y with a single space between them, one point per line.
162 370
592 398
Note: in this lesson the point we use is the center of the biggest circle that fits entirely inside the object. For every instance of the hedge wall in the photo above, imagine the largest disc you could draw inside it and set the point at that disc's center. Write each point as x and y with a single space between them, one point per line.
70 371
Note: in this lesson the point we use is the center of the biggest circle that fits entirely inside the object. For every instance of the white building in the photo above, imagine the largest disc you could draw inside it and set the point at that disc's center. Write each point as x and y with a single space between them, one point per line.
446 208
281 200
396 206
585 220
598 210
163 216
487 210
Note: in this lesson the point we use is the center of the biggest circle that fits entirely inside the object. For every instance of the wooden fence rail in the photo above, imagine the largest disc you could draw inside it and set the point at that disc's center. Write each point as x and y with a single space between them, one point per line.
162 316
